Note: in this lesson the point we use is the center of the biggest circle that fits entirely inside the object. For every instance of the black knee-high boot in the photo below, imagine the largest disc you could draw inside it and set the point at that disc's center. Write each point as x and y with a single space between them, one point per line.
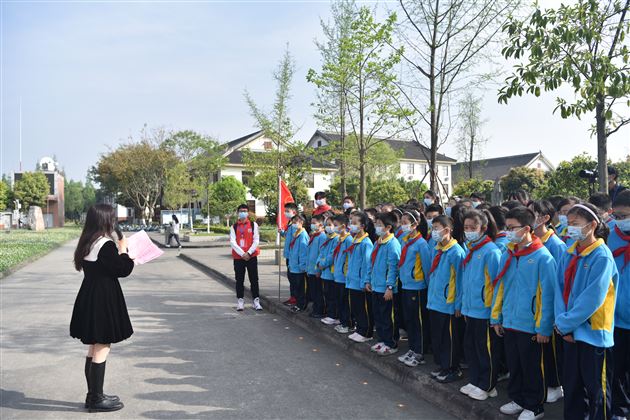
98 401
88 363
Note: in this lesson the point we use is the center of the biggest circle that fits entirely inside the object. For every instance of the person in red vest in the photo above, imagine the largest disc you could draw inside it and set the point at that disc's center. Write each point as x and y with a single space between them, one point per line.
320 203
244 238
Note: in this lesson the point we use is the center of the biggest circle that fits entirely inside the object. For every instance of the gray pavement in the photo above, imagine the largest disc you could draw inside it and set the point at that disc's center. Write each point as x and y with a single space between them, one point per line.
192 355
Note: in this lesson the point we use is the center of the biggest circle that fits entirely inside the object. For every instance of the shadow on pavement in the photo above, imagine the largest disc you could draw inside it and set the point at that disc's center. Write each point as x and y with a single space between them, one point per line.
18 401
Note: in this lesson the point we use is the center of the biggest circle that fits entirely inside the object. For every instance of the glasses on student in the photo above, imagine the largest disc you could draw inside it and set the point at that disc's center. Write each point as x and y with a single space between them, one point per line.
513 228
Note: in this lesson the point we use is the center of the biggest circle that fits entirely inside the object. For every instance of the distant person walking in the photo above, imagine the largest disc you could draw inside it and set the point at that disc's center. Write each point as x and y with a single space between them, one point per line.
100 315
174 232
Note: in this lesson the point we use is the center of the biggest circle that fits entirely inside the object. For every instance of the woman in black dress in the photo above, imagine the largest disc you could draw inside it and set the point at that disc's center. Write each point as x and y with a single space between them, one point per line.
100 315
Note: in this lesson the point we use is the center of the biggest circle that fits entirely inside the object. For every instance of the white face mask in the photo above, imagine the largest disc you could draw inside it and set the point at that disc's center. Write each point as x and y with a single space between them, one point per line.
437 235
354 229
405 228
430 223
330 230
472 236
319 202
347 206
475 204
513 237
428 201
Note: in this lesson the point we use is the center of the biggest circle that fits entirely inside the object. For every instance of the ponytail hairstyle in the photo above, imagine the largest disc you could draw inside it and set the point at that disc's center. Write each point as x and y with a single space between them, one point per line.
485 219
396 213
457 215
498 213
420 220
601 230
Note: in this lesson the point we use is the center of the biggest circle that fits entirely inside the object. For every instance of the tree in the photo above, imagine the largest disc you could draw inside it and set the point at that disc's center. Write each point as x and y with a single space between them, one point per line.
565 181
386 191
522 178
474 185
582 45
331 111
287 158
137 170
225 196
414 188
445 40
31 189
89 195
74 203
371 95
179 184
470 140
4 194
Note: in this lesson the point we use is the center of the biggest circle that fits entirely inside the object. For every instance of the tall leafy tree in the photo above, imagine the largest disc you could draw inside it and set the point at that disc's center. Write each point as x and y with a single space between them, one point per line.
31 189
74 203
371 98
582 45
522 178
226 194
4 194
444 41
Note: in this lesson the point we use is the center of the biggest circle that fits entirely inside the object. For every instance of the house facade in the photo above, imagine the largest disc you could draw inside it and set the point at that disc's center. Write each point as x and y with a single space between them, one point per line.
319 179
494 168
413 164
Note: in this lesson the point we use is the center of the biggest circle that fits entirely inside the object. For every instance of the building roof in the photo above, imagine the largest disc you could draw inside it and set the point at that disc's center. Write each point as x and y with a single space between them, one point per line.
411 149
494 168
235 156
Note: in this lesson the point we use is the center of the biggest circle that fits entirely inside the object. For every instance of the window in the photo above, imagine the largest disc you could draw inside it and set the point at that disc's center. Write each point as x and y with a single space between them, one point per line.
247 176
251 206
309 179
539 165
319 143
410 169
268 145
444 170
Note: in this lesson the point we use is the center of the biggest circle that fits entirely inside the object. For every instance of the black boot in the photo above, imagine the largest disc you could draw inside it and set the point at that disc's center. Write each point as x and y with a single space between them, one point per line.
98 401
88 363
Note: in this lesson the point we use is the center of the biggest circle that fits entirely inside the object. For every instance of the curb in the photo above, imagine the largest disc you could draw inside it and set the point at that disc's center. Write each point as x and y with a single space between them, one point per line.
417 381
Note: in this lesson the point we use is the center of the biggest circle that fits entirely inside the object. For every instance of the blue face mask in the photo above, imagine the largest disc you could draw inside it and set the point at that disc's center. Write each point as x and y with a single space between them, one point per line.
380 231
575 233
288 214
405 228
563 220
472 236
475 204
513 237
354 229
314 227
437 235
448 211
427 201
242 215
624 225
347 206
430 223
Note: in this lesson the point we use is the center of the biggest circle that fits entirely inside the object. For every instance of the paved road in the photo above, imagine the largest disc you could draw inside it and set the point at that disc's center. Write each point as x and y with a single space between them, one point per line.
192 355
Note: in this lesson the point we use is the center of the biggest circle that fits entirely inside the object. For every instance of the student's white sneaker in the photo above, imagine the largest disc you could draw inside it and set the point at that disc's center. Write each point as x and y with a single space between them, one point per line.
257 305
352 336
481 395
167 245
406 356
342 329
530 415
360 339
554 394
327 320
386 350
511 408
467 389
240 305
376 347
619 418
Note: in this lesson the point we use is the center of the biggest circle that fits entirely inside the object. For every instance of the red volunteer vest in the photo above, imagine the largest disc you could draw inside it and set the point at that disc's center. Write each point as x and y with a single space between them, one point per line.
244 237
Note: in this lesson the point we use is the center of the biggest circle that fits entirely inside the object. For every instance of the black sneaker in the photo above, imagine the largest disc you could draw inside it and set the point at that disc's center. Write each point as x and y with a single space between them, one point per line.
296 309
448 377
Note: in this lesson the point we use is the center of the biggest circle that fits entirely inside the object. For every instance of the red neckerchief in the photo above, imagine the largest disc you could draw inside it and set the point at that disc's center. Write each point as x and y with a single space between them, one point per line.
377 247
403 253
313 236
569 274
350 249
295 236
338 247
500 235
400 232
623 250
534 246
327 241
475 248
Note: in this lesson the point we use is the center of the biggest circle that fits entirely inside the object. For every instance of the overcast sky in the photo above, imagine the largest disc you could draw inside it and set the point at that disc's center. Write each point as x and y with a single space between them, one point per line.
90 74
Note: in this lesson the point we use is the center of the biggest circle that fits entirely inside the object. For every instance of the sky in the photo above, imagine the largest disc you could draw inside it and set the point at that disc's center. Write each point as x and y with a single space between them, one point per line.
90 74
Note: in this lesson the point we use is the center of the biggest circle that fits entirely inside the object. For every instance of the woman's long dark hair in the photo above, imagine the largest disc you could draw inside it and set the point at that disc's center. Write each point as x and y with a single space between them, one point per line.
100 221
175 219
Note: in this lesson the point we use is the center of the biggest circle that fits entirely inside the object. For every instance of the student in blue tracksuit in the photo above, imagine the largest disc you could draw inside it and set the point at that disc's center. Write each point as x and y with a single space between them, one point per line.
415 260
545 213
398 232
445 275
603 203
382 284
500 240
357 274
343 322
522 312
290 210
327 267
298 261
431 212
584 316
315 286
563 208
479 268
619 244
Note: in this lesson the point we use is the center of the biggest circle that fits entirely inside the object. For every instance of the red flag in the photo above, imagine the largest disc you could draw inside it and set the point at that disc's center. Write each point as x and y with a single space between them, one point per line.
285 197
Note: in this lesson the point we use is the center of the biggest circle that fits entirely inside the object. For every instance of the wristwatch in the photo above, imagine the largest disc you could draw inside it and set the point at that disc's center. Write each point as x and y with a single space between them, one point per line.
390 288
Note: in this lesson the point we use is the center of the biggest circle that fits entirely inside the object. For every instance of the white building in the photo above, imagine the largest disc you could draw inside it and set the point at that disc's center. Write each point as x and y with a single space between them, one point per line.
318 180
413 162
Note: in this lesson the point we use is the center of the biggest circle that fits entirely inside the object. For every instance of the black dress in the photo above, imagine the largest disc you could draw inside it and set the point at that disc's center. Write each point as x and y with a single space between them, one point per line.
100 313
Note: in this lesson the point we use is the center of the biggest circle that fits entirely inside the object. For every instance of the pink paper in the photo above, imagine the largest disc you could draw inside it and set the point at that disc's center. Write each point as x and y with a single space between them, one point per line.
141 248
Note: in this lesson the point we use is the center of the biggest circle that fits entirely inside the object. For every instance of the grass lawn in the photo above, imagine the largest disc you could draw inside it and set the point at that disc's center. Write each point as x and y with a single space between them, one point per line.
18 246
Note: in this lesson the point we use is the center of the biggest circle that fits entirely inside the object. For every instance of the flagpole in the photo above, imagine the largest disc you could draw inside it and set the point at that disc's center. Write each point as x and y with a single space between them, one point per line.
279 218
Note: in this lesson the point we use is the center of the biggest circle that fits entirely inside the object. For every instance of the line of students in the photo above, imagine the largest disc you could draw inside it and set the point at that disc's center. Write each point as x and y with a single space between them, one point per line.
496 286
